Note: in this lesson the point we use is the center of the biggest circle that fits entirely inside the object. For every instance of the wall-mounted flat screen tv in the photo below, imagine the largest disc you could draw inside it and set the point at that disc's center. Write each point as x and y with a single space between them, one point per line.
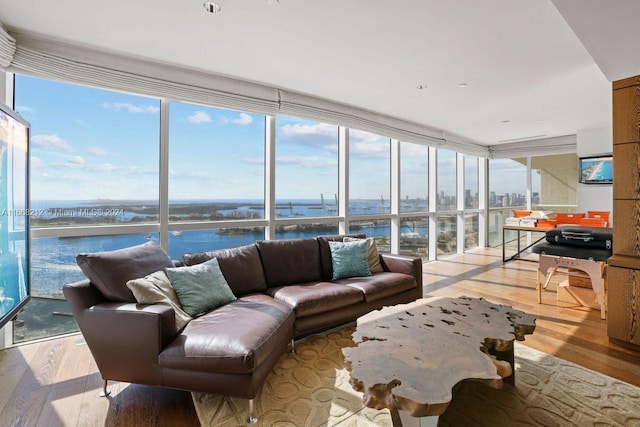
596 170
14 213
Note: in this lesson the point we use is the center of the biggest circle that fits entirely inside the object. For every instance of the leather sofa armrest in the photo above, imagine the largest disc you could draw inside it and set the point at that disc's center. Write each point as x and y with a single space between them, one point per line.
82 294
403 264
124 338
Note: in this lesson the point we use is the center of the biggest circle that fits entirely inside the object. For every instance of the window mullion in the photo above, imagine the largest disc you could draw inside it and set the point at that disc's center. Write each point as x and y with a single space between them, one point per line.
163 208
270 177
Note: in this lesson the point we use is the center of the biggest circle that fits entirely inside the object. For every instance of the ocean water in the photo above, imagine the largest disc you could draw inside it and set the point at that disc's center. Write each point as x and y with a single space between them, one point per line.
53 259
605 171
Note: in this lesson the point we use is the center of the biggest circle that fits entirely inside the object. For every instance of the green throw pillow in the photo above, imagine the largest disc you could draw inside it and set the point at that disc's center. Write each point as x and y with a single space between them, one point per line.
349 259
200 287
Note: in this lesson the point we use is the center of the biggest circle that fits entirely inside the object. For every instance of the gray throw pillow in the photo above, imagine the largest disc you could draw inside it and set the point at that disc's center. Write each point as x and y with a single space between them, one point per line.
200 288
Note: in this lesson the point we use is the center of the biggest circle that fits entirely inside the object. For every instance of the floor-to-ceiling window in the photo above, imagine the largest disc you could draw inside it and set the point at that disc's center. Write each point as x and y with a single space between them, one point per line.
552 188
110 171
507 191
216 178
447 205
471 202
414 199
370 186
94 162
306 179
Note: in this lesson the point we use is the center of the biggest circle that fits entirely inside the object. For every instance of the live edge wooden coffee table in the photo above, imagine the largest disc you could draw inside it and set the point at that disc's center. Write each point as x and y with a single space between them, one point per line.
409 357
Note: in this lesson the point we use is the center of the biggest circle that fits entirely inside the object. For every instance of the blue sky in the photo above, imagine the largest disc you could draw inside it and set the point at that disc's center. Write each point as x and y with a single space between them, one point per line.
88 143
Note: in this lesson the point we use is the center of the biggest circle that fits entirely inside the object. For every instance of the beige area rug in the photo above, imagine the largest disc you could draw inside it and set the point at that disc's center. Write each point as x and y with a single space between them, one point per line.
311 388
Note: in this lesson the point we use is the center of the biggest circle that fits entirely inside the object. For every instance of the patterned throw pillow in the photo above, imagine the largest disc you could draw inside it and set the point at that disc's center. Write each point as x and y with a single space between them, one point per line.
156 289
201 287
374 256
349 259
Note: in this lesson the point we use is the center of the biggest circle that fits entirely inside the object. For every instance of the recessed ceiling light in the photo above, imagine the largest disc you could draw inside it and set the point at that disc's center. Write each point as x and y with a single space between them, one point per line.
421 87
273 2
212 7
462 85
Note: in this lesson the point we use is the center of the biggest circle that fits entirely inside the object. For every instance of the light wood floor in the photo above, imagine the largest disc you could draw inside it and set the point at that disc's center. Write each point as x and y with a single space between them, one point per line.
56 382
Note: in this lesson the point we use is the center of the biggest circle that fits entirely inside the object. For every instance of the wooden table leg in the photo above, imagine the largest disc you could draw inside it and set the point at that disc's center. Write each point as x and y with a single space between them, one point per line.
395 418
508 356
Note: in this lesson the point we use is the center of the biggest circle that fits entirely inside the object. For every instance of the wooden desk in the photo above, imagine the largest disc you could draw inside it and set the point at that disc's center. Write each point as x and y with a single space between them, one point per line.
409 357
519 229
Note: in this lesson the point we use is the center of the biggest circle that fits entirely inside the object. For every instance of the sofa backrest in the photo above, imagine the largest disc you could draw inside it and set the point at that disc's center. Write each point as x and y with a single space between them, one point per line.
290 261
241 267
325 252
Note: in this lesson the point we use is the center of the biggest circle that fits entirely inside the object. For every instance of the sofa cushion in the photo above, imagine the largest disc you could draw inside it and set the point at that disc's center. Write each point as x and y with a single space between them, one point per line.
325 252
290 261
241 267
110 271
308 299
380 285
235 338
373 257
200 287
156 288
349 259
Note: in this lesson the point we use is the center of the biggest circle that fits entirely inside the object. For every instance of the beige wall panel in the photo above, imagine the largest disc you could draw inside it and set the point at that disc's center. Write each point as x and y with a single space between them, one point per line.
623 316
626 232
626 171
626 115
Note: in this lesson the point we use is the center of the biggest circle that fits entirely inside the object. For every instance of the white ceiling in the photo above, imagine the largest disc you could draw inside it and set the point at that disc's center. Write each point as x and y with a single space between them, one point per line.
527 73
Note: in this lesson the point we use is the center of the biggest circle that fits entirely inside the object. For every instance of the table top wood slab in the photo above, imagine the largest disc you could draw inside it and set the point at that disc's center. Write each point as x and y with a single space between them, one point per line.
410 356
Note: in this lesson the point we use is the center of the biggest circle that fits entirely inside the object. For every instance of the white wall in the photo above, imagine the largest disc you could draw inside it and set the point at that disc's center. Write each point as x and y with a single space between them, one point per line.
593 142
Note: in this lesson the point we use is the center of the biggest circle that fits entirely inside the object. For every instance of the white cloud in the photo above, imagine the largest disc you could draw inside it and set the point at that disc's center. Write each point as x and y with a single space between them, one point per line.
414 150
77 160
254 160
130 108
307 162
199 117
97 151
323 129
364 136
36 162
139 171
243 120
82 123
50 141
105 167
319 136
369 150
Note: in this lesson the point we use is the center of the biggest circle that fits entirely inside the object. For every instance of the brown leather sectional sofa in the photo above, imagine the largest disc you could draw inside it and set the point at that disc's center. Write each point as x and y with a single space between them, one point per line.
283 289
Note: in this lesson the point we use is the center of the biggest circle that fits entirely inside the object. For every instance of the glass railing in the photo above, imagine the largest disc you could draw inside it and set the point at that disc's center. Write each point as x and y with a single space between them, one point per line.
497 217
